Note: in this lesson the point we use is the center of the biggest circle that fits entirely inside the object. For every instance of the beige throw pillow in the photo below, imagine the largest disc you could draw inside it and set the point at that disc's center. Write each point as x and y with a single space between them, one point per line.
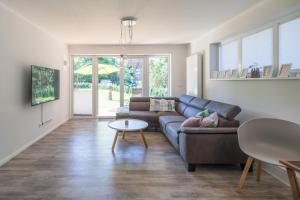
155 105
167 105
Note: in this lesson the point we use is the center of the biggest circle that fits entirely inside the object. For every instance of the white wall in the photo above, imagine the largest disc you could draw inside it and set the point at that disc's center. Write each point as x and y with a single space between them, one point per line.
278 98
23 44
178 58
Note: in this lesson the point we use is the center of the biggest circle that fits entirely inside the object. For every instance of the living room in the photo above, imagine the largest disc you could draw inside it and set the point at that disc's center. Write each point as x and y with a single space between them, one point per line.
136 99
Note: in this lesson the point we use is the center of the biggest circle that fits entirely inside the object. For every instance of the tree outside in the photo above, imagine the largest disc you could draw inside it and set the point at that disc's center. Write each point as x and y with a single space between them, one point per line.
158 76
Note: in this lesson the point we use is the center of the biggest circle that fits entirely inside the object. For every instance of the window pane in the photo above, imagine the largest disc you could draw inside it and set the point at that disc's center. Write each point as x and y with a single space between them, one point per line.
133 78
83 82
257 49
158 76
289 43
108 85
228 56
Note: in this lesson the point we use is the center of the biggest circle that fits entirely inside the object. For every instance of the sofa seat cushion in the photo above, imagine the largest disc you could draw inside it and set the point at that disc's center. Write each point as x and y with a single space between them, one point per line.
172 131
165 120
151 117
200 130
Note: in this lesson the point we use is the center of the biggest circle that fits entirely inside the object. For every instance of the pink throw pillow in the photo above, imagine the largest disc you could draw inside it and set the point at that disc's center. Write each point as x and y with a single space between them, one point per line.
192 122
211 121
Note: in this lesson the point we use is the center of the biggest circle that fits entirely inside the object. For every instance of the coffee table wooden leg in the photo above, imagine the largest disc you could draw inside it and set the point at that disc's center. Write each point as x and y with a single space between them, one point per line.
144 139
123 137
115 141
294 183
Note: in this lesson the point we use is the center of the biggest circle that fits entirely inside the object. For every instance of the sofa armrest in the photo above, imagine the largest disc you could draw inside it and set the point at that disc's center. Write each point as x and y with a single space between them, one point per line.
195 130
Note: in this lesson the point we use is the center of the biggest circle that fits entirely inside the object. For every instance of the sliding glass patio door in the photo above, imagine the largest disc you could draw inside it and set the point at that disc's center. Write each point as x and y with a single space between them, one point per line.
102 84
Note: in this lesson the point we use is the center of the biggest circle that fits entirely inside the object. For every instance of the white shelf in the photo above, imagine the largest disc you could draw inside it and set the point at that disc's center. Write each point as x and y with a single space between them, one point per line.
254 79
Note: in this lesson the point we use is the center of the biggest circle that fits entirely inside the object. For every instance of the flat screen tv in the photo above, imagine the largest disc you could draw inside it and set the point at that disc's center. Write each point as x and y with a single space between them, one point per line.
44 85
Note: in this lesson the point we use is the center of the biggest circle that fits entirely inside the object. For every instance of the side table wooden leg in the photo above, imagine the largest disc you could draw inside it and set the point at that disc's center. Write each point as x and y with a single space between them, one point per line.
144 139
115 141
294 183
123 137
259 170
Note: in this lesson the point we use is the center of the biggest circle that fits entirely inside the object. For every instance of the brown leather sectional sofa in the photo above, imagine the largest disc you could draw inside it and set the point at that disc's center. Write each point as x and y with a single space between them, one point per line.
195 145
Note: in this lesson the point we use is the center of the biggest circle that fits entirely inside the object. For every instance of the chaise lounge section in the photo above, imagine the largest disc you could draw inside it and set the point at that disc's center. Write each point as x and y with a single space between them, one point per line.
195 145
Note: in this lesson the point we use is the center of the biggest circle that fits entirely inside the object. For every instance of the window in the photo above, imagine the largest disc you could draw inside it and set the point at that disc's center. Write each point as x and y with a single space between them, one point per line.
228 56
159 76
289 43
257 49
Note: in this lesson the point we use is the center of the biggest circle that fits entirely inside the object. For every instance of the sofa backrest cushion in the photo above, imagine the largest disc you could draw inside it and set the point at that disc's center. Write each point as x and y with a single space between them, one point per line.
139 99
147 99
186 99
143 103
191 111
228 123
199 103
180 108
189 106
139 106
225 110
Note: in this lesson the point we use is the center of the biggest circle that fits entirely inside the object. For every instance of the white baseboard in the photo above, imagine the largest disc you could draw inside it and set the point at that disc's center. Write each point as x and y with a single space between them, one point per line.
11 156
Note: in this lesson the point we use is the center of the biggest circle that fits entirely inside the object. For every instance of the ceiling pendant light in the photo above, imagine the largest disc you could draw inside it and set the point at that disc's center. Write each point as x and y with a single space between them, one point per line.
126 36
127 24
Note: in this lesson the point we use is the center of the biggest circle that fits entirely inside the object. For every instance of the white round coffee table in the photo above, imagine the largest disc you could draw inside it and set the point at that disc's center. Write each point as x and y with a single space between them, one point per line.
133 125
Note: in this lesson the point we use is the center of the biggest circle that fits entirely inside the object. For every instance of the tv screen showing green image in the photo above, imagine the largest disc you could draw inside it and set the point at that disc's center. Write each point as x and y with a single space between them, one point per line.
44 85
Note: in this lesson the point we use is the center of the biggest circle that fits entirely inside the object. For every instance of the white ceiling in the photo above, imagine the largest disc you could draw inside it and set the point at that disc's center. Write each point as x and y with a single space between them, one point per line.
98 21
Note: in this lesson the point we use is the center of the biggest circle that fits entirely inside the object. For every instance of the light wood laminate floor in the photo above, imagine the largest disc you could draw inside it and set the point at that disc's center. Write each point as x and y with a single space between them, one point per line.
75 162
